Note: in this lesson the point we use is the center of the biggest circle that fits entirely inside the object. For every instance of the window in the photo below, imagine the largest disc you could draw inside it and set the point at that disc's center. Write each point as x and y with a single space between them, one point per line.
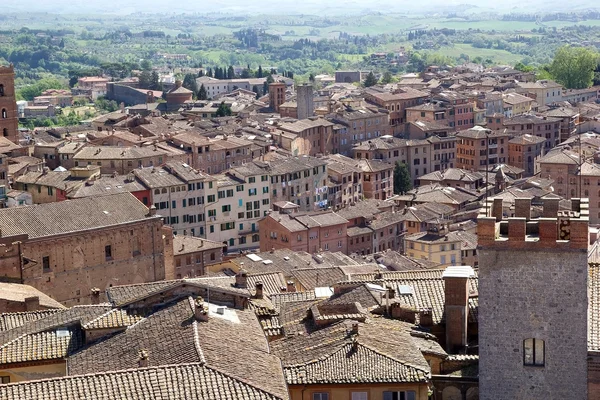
360 396
239 188
4 113
46 264
320 396
534 352
251 192
406 395
210 198
5 379
108 252
252 179
226 208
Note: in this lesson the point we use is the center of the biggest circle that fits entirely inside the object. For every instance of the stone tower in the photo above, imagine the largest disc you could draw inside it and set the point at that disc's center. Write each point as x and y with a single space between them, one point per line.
9 121
533 302
304 100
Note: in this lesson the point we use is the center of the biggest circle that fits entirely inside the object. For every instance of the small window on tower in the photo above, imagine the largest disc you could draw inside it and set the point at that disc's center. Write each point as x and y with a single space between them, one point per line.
4 113
534 352
1 90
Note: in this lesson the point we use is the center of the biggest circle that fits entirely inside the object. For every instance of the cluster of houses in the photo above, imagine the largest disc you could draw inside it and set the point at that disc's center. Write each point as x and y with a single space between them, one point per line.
271 253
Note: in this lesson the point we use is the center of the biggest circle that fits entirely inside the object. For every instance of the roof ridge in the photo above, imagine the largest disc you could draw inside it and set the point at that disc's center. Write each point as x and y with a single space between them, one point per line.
377 351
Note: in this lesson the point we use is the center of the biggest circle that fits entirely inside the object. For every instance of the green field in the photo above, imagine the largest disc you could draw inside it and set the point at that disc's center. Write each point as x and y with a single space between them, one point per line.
498 56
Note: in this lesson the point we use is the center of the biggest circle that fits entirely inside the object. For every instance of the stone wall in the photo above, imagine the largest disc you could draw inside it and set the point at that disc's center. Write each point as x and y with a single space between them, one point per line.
532 293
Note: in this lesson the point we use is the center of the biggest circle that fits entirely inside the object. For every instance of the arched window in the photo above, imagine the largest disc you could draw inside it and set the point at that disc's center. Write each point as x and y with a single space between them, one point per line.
572 192
1 90
156 191
4 113
534 352
164 190
5 132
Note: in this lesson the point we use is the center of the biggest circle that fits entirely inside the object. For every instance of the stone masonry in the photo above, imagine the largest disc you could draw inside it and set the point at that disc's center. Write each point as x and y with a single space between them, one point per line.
533 284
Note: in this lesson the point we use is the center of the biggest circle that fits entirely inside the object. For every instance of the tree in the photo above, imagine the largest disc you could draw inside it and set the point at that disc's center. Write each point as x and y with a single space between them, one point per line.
270 79
259 73
402 182
574 67
202 95
146 65
155 82
230 72
145 80
255 90
311 77
371 80
189 82
265 87
224 110
387 78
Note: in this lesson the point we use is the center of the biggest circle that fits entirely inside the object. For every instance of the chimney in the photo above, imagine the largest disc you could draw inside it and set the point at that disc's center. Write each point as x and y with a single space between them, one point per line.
200 311
241 279
391 293
95 295
290 286
32 303
151 211
354 330
456 298
143 358
426 317
258 287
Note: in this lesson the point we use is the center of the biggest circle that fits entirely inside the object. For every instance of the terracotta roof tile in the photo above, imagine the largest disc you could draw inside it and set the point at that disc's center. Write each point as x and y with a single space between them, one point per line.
173 382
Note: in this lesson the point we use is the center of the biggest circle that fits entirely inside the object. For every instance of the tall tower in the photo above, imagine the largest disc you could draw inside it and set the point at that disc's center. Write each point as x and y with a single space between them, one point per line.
533 275
9 121
276 95
304 100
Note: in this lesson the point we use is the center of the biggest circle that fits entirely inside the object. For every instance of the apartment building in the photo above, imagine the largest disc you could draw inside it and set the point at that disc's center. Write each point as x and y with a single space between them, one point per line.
478 147
178 200
362 123
123 160
396 103
344 181
544 91
234 204
214 155
299 180
378 179
525 151
460 109
310 136
545 127
312 233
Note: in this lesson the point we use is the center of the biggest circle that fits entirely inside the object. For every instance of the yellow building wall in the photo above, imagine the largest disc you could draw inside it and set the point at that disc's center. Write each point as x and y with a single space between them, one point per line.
28 373
433 252
344 392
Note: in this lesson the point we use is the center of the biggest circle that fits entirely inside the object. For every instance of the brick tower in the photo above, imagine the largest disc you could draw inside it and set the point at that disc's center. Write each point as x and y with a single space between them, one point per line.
9 122
533 276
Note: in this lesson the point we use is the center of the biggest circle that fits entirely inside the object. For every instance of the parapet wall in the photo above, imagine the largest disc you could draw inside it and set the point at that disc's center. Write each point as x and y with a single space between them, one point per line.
557 230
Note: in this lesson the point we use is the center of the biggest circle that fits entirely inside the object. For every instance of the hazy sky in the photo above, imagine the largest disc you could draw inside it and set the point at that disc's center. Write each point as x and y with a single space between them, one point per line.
285 6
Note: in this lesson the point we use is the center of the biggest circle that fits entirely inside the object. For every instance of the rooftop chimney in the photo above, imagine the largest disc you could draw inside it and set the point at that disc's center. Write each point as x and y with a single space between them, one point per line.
143 358
200 311
425 317
32 303
290 286
259 290
241 279
456 282
354 330
95 295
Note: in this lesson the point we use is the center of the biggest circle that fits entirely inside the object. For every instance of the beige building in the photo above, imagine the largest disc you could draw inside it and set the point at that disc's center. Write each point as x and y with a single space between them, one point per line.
214 155
345 181
102 241
436 244
123 160
234 204
310 136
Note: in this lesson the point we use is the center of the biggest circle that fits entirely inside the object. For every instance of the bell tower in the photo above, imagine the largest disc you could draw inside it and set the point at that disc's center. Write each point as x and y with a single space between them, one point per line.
9 121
